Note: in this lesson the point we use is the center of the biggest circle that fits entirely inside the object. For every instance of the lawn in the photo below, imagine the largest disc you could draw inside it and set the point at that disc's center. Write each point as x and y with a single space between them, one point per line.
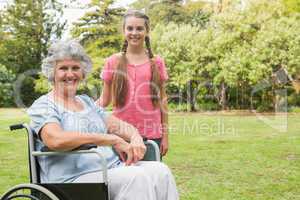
213 156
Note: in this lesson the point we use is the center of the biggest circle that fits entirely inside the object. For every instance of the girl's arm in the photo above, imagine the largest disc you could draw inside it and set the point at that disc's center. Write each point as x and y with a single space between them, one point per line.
122 129
105 97
164 118
165 123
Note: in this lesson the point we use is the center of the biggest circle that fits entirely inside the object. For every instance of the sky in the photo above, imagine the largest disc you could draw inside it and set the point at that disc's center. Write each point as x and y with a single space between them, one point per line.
125 2
72 13
3 3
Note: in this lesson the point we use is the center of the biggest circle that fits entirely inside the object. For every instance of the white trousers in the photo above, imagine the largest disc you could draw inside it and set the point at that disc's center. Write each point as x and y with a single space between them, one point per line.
146 180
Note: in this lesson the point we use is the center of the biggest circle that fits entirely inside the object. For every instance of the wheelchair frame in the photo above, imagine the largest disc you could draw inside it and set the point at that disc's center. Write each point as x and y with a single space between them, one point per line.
62 191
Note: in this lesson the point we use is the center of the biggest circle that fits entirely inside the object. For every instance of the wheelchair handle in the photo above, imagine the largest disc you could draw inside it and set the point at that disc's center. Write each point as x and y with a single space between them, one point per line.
16 127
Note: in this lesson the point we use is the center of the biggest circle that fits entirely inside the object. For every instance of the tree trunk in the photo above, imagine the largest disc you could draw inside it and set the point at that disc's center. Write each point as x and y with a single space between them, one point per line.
191 95
223 100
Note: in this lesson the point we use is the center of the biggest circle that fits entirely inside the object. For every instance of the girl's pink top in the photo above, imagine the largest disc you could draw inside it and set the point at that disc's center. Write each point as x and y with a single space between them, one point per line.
138 110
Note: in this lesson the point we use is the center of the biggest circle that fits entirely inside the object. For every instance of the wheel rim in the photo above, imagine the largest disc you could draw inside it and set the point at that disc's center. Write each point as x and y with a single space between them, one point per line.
28 192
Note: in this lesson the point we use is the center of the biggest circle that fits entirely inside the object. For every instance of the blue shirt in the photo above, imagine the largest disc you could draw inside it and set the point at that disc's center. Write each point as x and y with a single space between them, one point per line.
66 168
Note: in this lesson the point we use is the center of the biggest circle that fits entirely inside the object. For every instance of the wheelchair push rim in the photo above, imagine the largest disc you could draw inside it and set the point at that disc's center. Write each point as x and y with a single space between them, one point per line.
28 192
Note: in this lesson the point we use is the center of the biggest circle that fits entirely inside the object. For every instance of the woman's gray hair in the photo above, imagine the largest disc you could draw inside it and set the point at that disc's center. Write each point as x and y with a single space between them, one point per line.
69 49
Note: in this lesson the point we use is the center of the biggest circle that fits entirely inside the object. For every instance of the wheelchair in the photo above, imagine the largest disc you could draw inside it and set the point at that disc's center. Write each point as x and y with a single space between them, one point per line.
35 190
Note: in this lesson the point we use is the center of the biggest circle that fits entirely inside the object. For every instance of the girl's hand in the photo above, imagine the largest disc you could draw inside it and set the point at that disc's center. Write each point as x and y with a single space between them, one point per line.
164 144
138 147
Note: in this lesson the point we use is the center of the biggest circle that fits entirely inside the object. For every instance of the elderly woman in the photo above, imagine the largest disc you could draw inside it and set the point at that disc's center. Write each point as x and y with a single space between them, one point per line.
64 121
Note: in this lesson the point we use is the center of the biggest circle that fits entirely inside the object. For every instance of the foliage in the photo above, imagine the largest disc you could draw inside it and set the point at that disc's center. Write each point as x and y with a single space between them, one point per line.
142 5
250 45
42 85
292 5
93 84
27 27
196 13
174 43
99 29
233 58
165 12
238 53
295 109
6 87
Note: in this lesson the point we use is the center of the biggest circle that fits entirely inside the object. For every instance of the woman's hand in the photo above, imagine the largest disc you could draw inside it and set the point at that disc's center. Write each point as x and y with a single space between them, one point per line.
164 144
125 151
128 133
138 147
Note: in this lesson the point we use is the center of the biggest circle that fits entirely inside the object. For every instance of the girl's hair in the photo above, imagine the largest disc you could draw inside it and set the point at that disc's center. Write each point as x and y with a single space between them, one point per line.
119 83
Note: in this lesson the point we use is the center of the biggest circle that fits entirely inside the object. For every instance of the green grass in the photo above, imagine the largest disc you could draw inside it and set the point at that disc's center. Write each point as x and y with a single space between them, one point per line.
212 156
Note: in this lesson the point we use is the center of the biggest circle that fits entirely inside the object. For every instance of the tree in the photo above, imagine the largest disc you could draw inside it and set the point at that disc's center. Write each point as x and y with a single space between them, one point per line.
196 13
142 5
164 11
27 26
232 60
277 48
240 54
250 46
175 44
99 29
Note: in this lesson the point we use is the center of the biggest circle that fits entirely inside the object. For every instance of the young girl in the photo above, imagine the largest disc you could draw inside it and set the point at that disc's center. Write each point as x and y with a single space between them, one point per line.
134 81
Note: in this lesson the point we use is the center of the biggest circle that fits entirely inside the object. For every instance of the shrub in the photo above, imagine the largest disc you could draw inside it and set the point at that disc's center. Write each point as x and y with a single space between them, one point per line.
6 87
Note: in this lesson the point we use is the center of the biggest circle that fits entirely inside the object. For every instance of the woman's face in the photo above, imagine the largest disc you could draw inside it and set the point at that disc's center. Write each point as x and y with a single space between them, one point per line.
135 31
67 75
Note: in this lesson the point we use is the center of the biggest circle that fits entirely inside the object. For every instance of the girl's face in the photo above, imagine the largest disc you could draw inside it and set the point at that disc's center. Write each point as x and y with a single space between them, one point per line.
135 31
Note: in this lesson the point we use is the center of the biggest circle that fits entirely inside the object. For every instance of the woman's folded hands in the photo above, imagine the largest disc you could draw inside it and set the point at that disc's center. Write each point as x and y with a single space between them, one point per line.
130 152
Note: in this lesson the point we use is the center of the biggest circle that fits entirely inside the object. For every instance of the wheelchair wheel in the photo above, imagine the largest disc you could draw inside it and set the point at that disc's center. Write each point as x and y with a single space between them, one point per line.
28 192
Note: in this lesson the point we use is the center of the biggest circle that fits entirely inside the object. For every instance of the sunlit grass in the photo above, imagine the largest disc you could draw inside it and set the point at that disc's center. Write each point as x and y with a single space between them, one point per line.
212 156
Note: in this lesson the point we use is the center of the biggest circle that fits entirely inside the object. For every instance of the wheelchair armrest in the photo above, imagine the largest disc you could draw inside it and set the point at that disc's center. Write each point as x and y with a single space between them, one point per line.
82 147
155 148
90 151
